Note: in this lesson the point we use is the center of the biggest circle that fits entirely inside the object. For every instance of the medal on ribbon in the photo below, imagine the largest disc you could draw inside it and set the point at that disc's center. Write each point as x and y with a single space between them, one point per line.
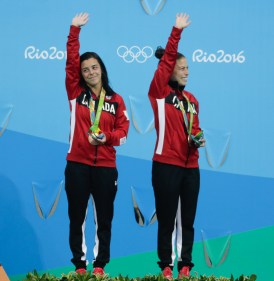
197 139
94 130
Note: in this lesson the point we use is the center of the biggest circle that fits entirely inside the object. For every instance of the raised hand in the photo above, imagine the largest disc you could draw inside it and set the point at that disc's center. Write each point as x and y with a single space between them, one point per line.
182 20
80 19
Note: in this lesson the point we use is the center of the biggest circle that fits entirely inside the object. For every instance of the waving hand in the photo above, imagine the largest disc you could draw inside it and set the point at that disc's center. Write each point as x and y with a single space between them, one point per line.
182 20
80 19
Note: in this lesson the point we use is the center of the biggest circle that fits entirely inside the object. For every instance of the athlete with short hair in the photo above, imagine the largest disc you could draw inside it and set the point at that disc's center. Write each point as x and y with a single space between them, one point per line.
175 169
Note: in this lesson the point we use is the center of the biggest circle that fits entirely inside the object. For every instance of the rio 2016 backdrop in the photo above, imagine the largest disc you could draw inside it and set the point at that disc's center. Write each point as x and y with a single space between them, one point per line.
229 46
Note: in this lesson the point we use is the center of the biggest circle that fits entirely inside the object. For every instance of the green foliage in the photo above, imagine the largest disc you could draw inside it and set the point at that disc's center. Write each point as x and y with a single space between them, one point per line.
88 276
36 277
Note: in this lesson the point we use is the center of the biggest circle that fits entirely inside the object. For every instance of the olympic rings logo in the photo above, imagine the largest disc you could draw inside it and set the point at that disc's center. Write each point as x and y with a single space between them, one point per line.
135 53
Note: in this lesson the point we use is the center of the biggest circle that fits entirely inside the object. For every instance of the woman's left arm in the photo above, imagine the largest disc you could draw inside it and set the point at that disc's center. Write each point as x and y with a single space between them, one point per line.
121 126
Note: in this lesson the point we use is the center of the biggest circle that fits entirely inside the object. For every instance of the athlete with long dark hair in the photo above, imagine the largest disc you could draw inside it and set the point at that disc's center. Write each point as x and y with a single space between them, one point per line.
98 122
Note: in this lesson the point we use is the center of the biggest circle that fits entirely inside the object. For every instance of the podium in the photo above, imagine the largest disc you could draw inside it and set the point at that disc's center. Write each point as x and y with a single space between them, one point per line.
3 274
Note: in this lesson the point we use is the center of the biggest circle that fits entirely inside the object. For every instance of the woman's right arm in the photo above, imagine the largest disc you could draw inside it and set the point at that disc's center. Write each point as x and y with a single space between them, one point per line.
167 63
73 58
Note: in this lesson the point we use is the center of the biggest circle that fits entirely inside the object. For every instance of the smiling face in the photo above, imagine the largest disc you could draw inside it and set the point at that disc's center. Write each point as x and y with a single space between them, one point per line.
180 72
92 72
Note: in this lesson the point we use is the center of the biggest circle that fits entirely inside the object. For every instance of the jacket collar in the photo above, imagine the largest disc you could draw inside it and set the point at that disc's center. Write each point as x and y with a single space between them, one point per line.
175 86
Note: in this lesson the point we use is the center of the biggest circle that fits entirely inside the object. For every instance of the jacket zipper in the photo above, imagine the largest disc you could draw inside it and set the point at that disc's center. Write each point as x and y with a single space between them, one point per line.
188 152
95 158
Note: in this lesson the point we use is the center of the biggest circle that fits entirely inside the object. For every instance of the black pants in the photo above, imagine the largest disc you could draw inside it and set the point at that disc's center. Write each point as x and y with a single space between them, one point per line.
171 183
81 181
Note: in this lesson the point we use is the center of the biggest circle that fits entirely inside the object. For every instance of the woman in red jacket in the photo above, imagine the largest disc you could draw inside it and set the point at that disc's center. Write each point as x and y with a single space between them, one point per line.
175 170
98 122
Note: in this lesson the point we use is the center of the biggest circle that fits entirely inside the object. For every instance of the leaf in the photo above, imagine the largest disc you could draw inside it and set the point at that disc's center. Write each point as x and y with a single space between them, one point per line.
253 277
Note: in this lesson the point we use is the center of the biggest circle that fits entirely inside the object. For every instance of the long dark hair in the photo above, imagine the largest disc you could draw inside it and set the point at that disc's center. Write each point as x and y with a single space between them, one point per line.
160 52
105 81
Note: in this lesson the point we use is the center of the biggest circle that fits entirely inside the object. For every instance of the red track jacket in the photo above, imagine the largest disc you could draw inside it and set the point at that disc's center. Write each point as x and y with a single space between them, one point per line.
114 120
172 145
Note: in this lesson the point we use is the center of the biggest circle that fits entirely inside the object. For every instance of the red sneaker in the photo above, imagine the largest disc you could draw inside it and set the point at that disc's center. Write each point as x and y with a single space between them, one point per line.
81 270
98 271
167 273
184 272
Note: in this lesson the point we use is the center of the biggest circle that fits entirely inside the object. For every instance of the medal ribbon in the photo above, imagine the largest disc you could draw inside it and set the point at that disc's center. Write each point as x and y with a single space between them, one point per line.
95 119
188 124
200 135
